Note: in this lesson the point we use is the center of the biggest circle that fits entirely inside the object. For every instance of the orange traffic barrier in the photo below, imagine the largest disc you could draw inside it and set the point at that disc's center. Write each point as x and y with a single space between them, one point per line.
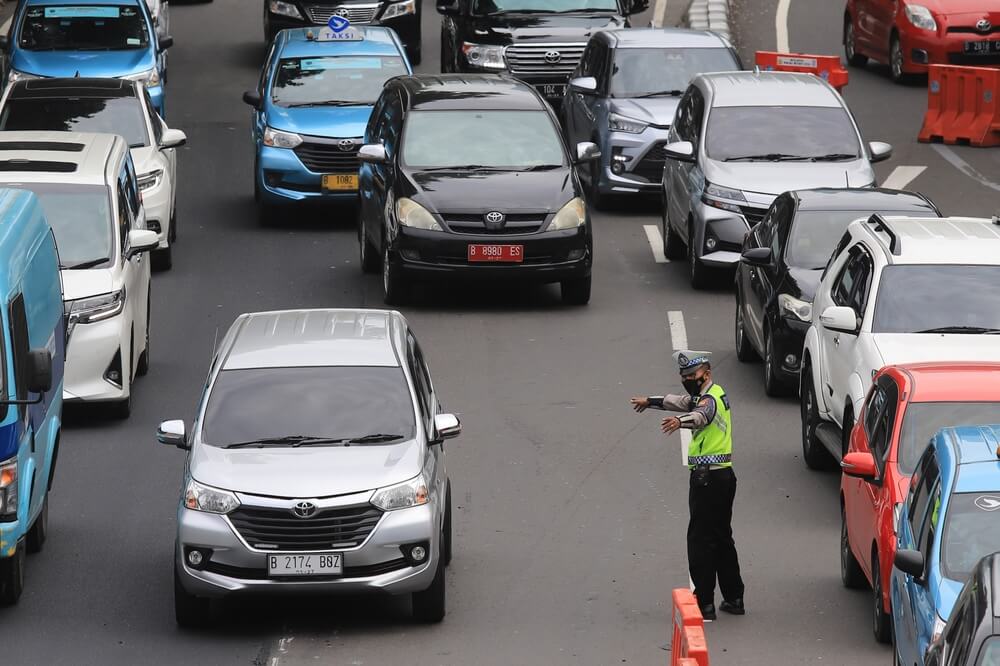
962 106
824 66
685 614
693 645
687 662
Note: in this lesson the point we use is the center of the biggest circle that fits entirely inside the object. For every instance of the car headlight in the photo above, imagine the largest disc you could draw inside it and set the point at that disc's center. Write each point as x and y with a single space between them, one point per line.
570 216
920 17
199 497
413 215
8 489
402 495
95 308
148 181
485 56
618 123
284 8
278 139
723 197
395 9
15 75
789 305
150 78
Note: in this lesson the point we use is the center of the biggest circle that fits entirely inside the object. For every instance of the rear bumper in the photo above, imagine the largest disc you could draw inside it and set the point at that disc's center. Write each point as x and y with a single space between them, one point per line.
89 353
921 48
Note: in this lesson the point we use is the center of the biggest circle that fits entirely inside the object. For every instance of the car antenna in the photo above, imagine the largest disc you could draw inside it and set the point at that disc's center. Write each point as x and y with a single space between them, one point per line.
847 177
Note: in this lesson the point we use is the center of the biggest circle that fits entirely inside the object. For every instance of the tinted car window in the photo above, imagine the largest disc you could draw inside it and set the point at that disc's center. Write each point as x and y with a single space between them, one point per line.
815 234
334 80
83 28
923 419
335 402
912 299
797 131
541 6
918 505
491 139
989 655
80 217
120 115
971 531
640 72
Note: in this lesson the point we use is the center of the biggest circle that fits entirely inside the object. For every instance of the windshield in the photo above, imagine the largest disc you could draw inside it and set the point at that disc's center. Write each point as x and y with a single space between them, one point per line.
639 72
80 217
297 404
766 133
815 234
990 653
923 419
119 115
938 299
83 28
489 139
542 6
332 80
971 531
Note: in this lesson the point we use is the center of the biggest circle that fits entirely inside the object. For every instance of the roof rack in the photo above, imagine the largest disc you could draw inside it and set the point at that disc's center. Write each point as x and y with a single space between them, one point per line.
880 224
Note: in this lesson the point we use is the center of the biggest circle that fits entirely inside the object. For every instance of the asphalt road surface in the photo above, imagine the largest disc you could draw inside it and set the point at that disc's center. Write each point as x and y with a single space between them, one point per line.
570 509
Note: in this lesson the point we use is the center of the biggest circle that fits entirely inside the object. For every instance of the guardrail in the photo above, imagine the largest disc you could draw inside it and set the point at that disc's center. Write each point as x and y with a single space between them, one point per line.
824 66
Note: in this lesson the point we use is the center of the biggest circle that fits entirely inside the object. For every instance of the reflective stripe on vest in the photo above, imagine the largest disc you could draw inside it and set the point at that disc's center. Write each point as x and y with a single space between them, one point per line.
713 444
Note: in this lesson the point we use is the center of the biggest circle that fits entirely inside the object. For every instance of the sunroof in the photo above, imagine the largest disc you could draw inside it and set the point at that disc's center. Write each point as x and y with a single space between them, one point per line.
37 165
42 145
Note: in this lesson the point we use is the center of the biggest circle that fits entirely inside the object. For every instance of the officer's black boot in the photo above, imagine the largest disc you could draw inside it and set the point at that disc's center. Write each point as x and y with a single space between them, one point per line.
707 611
734 607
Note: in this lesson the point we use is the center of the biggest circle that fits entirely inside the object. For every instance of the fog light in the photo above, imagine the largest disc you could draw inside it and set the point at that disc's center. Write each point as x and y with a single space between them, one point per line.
919 56
415 553
617 168
573 255
791 360
194 558
153 225
197 558
273 178
418 553
113 374
710 243
411 255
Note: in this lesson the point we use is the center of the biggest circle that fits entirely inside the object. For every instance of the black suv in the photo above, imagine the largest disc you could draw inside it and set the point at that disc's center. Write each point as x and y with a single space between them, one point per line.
972 634
538 41
466 174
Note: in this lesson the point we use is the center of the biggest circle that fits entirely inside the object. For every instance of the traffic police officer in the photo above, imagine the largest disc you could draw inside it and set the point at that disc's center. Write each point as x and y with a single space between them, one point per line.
711 549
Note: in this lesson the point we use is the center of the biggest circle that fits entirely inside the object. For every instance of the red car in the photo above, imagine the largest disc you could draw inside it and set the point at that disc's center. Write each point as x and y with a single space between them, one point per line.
906 405
911 34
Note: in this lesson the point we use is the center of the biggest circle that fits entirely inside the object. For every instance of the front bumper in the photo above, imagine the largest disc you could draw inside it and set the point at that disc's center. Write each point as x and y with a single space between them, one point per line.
89 353
406 26
156 201
282 177
641 158
789 336
922 48
550 256
376 566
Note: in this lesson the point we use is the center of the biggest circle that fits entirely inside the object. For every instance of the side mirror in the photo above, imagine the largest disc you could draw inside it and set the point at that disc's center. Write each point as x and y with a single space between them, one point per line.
682 151
840 318
860 465
910 562
252 97
586 85
373 153
447 426
448 8
880 151
39 370
166 42
173 138
141 240
758 256
172 433
587 151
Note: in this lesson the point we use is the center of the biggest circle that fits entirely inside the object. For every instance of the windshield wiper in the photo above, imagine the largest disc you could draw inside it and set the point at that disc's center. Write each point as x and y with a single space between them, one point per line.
331 102
767 157
982 330
661 93
291 440
543 167
833 157
463 167
86 264
373 438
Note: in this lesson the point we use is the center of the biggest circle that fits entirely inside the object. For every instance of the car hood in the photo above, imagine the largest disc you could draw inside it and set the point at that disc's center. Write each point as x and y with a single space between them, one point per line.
773 178
557 28
144 158
483 191
320 471
802 282
652 110
86 283
918 347
100 64
330 121
980 8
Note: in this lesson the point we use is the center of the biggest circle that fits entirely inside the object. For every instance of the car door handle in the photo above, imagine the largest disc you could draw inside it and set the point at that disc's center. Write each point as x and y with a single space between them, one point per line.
836 341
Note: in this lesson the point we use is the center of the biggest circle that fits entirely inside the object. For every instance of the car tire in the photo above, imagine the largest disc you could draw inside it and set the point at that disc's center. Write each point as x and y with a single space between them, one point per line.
698 271
773 386
575 291
851 574
142 366
394 290
190 611
673 246
814 454
429 604
854 59
881 621
896 57
446 537
12 577
162 259
366 251
744 350
39 530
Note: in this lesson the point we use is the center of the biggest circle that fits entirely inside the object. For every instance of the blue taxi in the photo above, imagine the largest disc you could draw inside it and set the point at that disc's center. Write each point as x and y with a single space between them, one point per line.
310 110
86 38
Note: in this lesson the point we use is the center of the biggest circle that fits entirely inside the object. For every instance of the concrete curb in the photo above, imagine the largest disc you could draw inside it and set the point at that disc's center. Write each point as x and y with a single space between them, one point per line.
709 15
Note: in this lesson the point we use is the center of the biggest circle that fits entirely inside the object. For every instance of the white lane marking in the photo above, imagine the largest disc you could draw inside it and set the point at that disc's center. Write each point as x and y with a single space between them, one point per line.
781 24
659 13
902 176
679 340
655 243
952 158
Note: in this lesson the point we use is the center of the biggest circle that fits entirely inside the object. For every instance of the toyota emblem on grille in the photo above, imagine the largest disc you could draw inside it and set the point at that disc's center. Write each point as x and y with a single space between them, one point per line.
552 57
346 144
304 509
983 25
494 220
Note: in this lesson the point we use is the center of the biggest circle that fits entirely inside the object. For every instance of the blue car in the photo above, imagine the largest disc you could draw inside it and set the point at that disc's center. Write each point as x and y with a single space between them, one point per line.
314 99
950 520
93 38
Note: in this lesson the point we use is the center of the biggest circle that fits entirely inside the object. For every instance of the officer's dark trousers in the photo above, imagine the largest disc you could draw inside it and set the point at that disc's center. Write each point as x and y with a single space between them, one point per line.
711 549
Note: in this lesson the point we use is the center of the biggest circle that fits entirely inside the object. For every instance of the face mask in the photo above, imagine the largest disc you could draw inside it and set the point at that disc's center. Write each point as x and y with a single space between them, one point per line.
693 386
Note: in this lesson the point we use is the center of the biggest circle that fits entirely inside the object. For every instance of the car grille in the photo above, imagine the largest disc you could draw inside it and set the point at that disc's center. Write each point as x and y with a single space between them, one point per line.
972 30
530 59
280 529
753 215
650 166
326 156
248 573
516 223
355 13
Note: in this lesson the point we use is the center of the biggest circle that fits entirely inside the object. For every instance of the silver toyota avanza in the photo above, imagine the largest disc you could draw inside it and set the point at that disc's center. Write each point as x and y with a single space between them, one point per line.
315 465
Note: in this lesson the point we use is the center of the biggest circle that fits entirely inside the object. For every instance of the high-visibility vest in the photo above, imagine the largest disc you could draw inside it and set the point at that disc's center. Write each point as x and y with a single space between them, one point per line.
713 443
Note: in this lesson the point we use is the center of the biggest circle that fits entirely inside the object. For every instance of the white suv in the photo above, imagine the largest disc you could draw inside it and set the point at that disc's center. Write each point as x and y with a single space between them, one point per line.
896 290
89 192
